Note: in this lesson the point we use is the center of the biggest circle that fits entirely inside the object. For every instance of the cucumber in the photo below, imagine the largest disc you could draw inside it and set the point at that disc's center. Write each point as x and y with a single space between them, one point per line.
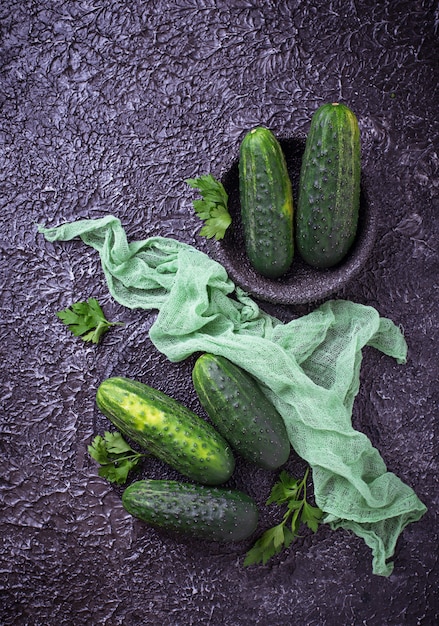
213 513
240 411
329 187
168 429
266 203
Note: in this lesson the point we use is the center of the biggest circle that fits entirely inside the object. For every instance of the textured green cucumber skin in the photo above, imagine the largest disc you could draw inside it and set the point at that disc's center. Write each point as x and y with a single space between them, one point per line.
168 429
266 203
329 188
212 513
240 411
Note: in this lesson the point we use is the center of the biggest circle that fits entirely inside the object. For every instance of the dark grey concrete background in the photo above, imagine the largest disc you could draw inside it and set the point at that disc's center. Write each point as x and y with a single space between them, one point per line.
106 107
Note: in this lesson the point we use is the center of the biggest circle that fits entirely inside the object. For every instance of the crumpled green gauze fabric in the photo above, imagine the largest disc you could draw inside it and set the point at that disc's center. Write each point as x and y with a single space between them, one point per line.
308 367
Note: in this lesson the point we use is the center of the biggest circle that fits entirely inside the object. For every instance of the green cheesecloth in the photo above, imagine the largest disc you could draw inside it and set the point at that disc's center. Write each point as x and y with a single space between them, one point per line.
309 367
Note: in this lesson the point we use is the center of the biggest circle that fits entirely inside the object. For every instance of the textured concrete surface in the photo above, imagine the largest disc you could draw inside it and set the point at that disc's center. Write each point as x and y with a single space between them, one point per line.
106 107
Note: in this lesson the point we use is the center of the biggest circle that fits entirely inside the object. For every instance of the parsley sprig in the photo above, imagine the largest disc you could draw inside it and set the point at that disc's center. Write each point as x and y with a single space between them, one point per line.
292 492
212 208
86 320
115 456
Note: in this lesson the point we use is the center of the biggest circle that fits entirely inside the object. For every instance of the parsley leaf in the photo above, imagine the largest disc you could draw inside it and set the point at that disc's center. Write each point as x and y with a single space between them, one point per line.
290 492
115 456
311 516
86 320
212 208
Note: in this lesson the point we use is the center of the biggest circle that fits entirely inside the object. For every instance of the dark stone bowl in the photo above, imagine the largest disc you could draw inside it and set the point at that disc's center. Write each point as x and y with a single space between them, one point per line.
302 283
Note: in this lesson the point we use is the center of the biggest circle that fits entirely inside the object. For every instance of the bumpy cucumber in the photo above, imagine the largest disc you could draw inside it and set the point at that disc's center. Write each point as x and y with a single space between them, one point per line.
168 429
266 203
240 411
211 513
329 188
